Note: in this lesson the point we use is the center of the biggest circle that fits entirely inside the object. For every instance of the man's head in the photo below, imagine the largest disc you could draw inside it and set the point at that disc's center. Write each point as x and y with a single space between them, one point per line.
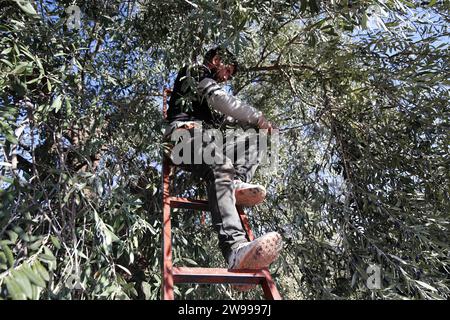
222 63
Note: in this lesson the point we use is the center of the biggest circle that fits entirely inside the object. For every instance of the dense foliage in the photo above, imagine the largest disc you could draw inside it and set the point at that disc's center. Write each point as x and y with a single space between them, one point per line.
359 89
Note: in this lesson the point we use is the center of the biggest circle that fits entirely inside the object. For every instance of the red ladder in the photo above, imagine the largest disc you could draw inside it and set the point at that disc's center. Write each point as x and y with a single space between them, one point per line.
174 275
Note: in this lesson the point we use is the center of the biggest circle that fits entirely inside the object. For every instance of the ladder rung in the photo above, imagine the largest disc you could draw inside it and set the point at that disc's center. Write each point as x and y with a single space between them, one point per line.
176 202
217 275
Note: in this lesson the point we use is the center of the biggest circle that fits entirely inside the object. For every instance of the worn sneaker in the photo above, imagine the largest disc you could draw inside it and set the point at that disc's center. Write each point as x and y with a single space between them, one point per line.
248 194
257 254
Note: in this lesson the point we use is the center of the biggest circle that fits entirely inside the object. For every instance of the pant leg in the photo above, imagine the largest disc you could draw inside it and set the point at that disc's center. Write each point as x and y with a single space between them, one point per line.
219 179
244 149
222 203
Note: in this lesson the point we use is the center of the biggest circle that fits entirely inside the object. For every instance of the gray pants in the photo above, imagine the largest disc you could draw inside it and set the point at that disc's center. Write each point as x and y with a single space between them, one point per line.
239 160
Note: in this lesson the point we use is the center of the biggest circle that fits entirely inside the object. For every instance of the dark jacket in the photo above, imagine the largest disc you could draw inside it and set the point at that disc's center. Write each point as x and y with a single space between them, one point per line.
196 96
185 103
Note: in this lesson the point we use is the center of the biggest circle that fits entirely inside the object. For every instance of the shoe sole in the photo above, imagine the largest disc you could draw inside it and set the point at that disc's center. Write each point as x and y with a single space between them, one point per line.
249 196
268 247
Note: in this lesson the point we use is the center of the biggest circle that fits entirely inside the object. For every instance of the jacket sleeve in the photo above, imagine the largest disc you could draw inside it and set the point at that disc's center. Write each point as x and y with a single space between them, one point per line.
227 104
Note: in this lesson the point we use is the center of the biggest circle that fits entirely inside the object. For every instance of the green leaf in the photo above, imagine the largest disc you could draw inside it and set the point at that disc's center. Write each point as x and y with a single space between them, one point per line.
105 235
12 236
33 80
46 257
8 63
68 107
398 259
6 179
8 254
3 258
56 105
49 258
364 20
33 276
36 245
14 289
35 292
49 85
7 50
20 68
26 6
37 266
23 282
124 269
26 52
188 291
426 286
55 242
11 137
49 253
190 261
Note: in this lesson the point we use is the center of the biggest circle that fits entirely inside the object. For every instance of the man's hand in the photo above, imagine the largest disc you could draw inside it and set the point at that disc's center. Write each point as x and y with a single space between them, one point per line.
264 124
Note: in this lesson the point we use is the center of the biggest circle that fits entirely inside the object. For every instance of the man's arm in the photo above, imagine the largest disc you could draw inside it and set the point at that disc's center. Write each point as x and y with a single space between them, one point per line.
227 104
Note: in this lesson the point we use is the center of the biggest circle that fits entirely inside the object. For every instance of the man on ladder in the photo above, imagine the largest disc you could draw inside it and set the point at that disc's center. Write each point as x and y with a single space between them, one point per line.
198 103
